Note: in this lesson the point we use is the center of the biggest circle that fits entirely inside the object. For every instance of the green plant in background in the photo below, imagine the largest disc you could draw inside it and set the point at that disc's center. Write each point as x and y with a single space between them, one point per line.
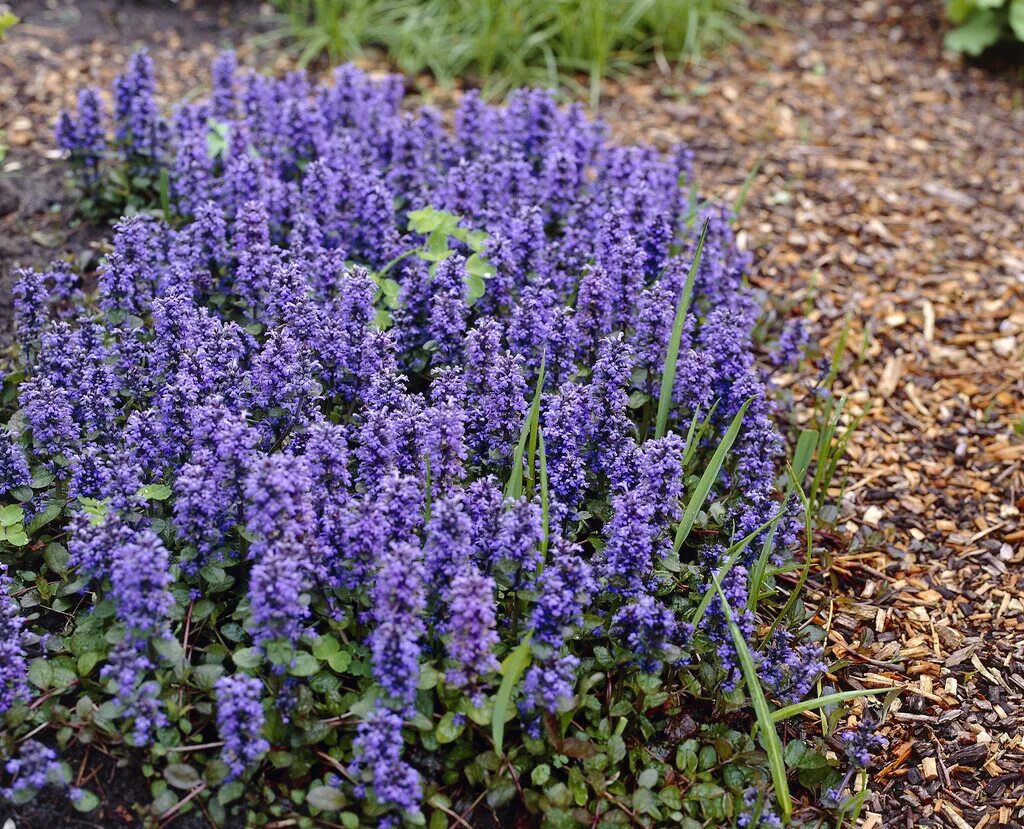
7 20
503 45
981 24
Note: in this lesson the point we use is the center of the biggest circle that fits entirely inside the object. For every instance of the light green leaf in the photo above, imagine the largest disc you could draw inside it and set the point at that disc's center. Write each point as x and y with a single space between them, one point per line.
448 730
305 664
52 512
11 514
476 265
326 646
339 661
512 669
976 35
86 801
247 658
181 776
87 661
40 673
326 798
1017 19
514 487
155 492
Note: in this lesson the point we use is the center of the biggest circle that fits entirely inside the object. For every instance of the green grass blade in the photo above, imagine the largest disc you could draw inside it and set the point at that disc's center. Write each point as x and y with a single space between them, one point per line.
514 487
741 197
668 374
544 503
693 440
757 574
731 557
821 702
512 668
707 480
804 452
769 736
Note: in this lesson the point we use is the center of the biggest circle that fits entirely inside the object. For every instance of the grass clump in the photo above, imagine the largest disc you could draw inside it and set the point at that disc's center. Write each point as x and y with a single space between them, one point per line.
502 46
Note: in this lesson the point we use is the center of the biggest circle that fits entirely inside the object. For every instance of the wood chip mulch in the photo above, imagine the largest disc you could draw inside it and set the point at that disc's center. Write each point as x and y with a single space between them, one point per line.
890 200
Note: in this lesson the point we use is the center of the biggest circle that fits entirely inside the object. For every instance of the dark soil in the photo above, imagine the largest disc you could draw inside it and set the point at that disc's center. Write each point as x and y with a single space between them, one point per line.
57 48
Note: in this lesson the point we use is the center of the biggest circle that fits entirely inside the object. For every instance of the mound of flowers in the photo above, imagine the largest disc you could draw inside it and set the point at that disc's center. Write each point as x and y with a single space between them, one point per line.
392 473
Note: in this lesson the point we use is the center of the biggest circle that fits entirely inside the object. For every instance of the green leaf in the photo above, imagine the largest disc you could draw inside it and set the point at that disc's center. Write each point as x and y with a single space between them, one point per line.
52 512
707 480
544 495
7 20
512 669
155 492
16 537
57 557
86 801
165 194
206 676
668 373
40 673
448 730
804 452
87 661
325 647
476 288
11 515
476 265
1017 19
976 35
427 220
181 776
326 798
339 661
305 664
170 649
247 658
741 197
648 778
769 736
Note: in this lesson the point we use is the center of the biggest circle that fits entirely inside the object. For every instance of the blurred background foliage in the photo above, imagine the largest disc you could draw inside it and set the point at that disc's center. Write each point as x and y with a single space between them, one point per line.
502 45
982 24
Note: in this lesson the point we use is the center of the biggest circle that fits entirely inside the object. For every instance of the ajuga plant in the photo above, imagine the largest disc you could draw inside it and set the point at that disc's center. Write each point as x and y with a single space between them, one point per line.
386 475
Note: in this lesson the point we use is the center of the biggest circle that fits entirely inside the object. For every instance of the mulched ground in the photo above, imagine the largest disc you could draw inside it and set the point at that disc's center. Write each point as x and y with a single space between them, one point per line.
890 200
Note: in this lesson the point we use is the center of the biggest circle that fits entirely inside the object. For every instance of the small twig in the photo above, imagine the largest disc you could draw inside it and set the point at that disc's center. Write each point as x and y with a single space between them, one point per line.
619 804
474 804
453 815
339 767
177 807
195 748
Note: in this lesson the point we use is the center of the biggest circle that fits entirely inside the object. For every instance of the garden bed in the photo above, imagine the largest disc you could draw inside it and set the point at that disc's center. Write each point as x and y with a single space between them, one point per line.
859 193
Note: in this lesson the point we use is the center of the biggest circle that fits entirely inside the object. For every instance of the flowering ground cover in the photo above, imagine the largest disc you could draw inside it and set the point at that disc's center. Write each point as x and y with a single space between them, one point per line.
397 474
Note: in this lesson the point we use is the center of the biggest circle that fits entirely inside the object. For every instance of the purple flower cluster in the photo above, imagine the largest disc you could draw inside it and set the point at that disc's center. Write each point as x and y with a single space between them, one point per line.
34 768
335 407
13 666
240 721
